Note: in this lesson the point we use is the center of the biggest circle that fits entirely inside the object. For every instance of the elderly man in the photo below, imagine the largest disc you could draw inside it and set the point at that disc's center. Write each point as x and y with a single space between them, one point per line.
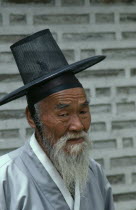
53 170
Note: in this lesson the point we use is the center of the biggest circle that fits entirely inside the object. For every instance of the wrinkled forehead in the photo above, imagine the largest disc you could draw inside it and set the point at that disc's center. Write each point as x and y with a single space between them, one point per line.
68 97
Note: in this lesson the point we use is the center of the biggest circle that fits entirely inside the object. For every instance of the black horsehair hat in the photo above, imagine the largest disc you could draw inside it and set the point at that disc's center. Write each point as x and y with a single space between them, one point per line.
40 60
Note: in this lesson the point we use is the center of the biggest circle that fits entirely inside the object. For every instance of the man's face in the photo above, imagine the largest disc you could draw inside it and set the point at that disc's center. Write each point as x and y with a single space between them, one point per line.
65 112
61 128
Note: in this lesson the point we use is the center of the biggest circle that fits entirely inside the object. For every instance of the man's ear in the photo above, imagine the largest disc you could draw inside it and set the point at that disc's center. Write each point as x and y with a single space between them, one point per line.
29 118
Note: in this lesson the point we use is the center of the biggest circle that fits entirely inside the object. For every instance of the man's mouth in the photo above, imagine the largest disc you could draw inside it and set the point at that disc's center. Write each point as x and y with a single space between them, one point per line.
75 140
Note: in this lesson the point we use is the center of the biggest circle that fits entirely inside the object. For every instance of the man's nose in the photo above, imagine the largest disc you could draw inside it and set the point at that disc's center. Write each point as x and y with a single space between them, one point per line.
76 124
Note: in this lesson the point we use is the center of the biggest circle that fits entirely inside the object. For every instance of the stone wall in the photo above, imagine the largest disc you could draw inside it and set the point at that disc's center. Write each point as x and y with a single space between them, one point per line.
82 28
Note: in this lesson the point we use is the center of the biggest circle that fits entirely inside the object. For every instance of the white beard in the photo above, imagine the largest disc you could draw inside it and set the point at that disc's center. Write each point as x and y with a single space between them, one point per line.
72 164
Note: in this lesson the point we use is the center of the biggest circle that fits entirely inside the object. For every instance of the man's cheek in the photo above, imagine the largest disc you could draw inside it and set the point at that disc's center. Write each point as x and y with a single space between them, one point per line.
87 123
49 121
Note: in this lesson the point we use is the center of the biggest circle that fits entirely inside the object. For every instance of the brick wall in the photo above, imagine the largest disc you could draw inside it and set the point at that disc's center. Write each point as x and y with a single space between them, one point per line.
82 28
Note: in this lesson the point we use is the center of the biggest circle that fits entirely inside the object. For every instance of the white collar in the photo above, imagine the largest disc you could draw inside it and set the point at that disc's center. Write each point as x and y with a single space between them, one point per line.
41 155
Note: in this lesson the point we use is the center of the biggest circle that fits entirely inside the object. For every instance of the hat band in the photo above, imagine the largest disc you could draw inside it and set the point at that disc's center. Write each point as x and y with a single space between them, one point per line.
40 93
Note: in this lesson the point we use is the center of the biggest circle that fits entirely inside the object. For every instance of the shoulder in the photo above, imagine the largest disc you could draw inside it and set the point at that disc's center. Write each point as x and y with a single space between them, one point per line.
11 174
95 166
98 172
11 179
103 183
7 163
5 160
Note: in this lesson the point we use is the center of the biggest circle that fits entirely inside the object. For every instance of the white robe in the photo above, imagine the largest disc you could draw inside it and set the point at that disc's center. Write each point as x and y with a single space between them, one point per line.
29 181
43 158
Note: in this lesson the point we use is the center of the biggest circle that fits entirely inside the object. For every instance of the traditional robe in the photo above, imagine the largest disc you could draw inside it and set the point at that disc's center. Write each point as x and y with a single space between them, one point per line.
29 181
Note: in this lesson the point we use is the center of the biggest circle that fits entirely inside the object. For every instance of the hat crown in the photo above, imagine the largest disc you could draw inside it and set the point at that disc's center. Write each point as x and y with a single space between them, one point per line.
37 55
39 59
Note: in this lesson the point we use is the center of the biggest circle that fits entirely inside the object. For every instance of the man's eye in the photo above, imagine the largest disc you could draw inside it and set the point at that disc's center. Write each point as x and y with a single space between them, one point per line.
83 112
63 115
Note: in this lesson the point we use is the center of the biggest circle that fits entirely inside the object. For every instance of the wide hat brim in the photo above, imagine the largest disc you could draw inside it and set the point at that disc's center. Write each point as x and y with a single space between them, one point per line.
75 68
